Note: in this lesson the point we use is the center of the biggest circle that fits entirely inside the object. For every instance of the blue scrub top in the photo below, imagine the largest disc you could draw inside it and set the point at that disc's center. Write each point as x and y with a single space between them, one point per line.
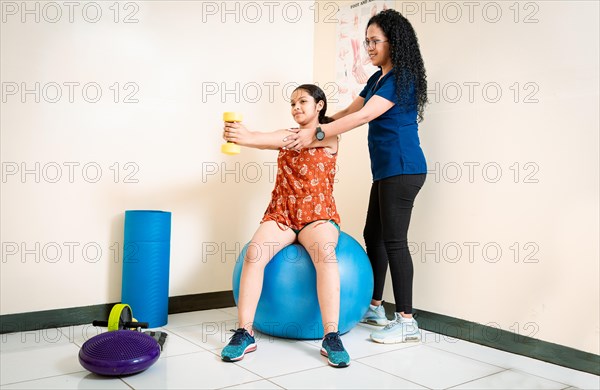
393 138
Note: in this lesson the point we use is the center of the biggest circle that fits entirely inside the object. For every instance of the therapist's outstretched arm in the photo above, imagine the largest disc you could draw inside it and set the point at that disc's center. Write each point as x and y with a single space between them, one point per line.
375 107
355 106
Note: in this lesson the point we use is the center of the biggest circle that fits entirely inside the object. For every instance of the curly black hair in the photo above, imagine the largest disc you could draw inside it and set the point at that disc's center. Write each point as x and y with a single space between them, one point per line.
406 58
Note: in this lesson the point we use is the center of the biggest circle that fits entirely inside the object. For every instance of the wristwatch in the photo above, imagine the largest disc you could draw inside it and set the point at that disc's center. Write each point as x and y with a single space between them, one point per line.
320 134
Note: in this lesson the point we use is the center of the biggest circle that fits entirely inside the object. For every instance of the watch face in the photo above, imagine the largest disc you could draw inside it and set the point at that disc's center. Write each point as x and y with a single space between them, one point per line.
320 134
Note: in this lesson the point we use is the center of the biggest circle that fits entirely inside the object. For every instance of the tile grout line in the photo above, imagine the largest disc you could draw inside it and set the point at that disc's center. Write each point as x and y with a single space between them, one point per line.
476 379
537 361
244 368
389 373
127 384
538 376
471 358
262 379
189 341
423 345
44 377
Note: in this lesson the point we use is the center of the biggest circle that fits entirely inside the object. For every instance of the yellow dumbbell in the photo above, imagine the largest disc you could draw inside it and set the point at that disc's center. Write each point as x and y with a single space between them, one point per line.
229 147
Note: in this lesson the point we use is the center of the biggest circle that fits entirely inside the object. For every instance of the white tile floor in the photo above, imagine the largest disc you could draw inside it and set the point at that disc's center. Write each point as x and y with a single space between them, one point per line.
48 359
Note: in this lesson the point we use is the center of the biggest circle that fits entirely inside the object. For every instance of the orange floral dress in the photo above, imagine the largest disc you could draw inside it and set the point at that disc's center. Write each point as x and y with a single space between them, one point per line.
303 188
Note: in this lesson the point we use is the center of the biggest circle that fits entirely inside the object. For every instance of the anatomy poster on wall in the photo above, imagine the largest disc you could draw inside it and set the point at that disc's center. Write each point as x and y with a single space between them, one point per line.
353 66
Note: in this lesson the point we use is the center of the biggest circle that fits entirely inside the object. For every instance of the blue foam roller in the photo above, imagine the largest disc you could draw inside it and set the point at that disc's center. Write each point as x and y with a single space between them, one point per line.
146 258
147 226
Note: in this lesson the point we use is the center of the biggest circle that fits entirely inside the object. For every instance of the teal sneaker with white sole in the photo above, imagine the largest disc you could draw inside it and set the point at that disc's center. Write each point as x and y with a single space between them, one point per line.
333 349
400 330
240 344
375 316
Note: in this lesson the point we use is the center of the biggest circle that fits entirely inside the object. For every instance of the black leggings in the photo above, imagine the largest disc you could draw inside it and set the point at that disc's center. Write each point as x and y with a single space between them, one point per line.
390 206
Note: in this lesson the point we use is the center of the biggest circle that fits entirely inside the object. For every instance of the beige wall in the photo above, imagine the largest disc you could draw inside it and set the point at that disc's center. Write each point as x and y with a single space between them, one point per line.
62 231
518 175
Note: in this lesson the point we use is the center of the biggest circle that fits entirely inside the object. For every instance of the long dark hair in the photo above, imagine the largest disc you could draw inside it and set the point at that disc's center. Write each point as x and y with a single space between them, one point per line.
317 94
406 59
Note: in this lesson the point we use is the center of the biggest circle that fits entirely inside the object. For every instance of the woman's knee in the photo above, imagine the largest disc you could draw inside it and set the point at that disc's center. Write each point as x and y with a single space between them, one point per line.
396 242
323 254
372 235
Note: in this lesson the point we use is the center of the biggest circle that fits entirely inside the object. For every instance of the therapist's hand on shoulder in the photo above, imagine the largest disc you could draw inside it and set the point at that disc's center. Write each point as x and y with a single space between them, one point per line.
301 139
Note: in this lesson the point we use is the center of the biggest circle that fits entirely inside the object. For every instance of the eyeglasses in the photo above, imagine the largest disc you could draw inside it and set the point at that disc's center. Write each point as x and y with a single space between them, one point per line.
372 44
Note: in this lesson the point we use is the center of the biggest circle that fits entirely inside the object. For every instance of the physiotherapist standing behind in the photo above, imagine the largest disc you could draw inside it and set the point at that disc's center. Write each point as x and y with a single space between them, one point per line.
392 103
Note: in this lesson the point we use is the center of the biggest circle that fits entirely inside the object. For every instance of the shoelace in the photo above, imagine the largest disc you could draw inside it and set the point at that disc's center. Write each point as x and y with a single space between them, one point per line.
237 337
393 323
334 341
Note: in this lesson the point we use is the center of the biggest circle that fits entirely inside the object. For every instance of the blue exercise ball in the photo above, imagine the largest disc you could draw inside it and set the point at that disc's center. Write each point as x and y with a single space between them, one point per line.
288 305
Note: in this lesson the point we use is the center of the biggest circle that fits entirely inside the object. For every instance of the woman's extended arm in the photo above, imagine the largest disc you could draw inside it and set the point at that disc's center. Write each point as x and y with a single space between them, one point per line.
239 134
373 109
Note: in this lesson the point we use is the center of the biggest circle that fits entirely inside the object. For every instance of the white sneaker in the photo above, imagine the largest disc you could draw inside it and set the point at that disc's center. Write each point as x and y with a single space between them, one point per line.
375 316
401 330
